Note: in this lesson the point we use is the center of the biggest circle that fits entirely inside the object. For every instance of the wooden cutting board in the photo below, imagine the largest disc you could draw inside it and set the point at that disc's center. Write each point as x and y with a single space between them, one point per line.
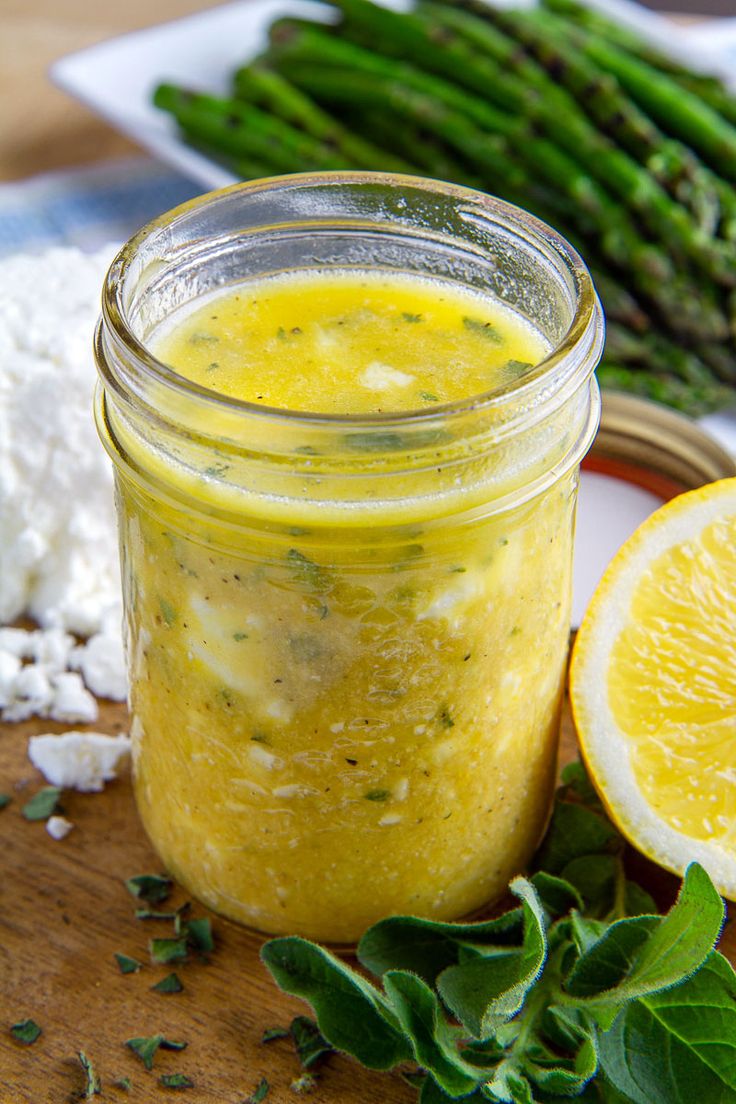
64 912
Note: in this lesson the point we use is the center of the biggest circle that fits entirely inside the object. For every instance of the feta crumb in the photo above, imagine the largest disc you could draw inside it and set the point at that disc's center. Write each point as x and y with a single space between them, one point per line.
58 827
19 642
382 377
58 555
78 760
32 693
401 789
388 819
265 758
51 647
102 664
72 703
9 668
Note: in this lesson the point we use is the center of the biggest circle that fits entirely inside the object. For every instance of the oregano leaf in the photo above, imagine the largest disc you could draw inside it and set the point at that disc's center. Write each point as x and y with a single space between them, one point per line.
488 991
651 954
677 1045
427 947
433 1040
351 1013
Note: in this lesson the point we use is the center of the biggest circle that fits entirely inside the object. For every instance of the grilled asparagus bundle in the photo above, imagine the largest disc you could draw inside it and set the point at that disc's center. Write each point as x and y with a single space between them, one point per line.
631 156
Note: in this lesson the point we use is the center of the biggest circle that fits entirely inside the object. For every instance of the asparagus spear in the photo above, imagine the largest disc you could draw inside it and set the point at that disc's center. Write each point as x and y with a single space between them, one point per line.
655 352
557 115
424 150
267 89
682 112
708 87
692 399
671 163
336 71
242 131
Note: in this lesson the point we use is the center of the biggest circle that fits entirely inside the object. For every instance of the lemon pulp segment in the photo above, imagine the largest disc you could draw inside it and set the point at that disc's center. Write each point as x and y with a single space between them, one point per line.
672 683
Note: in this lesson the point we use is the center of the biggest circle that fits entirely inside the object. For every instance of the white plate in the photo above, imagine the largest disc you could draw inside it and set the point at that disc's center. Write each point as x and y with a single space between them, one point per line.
116 78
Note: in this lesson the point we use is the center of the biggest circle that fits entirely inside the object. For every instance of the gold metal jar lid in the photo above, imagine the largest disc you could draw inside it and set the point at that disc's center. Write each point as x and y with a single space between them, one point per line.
647 444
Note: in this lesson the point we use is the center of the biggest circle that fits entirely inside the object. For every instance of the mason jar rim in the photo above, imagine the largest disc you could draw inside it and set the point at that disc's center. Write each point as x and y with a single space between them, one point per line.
586 310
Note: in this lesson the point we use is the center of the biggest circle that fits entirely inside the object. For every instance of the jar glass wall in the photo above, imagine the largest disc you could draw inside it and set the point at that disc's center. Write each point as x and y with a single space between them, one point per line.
346 635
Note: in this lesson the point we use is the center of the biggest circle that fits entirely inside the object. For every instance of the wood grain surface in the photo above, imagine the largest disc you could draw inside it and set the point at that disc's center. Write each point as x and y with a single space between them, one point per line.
64 912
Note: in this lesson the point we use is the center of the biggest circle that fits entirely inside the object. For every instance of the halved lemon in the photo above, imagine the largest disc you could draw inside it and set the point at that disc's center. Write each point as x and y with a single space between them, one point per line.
653 685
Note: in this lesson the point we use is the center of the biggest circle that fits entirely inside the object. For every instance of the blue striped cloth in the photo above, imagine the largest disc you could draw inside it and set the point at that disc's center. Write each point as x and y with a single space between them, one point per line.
89 206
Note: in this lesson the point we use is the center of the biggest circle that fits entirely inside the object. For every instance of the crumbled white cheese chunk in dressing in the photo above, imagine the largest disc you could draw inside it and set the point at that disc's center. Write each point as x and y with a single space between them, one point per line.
58 554
382 377
78 760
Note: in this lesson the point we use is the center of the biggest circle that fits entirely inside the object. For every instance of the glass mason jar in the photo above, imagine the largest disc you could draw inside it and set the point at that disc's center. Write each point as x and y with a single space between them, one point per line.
346 635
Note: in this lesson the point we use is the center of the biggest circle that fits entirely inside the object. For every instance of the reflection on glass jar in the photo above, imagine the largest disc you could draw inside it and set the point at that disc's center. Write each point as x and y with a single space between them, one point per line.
346 634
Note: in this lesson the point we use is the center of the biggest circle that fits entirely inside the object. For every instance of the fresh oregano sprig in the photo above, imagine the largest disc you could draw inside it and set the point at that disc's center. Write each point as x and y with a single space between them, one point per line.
582 991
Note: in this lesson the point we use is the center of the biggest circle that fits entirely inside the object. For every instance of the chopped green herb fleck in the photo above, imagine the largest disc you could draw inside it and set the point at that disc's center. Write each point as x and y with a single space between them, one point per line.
168 612
261 1091
303 1084
517 366
273 1033
458 570
311 1045
43 804
27 1031
203 339
170 984
427 396
298 531
260 738
153 888
152 914
306 648
515 630
240 636
128 965
94 1085
486 329
124 1083
307 572
145 1047
198 934
175 1081
217 469
213 366
5 799
409 317
446 719
377 795
168 950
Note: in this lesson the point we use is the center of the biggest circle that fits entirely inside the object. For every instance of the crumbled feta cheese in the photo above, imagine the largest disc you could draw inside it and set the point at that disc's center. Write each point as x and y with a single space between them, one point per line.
19 642
58 827
265 758
58 555
78 760
102 664
51 647
9 668
72 704
32 693
382 377
388 819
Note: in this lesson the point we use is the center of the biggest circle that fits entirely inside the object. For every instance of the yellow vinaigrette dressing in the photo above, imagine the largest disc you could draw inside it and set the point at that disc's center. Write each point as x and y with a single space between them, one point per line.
350 344
327 735
346 413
